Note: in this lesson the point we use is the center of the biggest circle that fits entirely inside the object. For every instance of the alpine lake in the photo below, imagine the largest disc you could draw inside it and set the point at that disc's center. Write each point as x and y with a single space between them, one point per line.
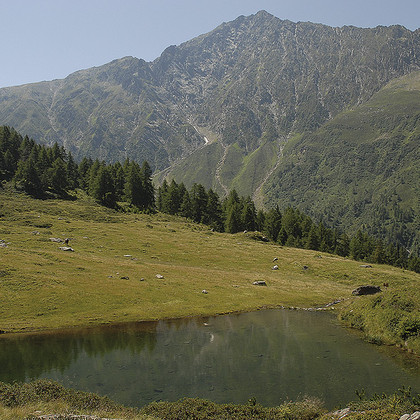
270 355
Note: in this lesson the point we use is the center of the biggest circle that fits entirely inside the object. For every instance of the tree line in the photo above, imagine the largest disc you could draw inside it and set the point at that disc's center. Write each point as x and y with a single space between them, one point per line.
43 171
289 227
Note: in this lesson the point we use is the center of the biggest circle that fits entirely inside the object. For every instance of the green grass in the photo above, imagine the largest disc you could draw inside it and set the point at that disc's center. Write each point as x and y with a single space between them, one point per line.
31 400
42 287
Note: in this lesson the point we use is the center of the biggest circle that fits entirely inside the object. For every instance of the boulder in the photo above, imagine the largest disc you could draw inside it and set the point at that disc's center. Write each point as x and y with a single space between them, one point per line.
276 267
66 248
204 291
366 266
159 276
366 290
259 283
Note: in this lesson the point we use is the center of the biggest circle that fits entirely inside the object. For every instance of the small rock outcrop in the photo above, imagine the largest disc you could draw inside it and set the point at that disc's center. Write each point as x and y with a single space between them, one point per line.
259 283
414 416
66 248
366 290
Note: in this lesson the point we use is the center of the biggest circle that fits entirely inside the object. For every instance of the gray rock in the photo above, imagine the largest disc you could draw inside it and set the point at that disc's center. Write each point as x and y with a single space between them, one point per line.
275 259
56 240
366 290
159 276
259 283
276 267
341 414
204 291
67 248
366 266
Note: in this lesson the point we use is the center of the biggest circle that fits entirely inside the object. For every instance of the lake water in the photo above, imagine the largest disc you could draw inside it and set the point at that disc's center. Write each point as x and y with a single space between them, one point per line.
272 355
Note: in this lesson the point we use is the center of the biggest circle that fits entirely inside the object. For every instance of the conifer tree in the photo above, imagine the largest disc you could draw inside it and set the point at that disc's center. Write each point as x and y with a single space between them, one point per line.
133 189
103 189
273 223
233 219
27 177
148 189
249 215
213 212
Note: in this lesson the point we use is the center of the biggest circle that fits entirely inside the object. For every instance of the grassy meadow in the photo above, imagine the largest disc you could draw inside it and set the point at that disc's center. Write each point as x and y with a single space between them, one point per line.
111 275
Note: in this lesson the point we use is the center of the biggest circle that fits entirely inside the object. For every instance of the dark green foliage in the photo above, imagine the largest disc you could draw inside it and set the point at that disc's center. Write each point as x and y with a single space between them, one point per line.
103 188
27 177
50 171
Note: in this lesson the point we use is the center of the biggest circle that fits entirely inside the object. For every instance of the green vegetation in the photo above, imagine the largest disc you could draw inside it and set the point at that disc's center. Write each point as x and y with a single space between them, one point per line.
28 401
392 317
43 287
291 228
361 169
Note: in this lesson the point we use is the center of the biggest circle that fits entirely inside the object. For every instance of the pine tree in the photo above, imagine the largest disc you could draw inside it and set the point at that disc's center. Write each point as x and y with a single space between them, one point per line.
148 189
133 189
103 189
198 197
57 177
233 219
72 172
186 209
249 215
213 213
84 173
273 223
27 177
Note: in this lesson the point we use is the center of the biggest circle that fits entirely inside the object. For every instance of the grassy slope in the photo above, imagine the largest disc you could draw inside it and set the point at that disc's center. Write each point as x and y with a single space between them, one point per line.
42 287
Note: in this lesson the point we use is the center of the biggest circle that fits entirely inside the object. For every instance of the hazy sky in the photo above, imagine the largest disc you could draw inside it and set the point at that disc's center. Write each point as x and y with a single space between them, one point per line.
49 39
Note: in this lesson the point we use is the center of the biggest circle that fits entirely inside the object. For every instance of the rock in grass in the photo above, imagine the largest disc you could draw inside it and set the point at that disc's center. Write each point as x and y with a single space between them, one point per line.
204 291
276 267
259 283
56 240
66 248
366 290
159 276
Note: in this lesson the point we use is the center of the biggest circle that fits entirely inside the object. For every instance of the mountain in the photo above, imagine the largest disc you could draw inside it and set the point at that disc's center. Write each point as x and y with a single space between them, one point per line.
239 106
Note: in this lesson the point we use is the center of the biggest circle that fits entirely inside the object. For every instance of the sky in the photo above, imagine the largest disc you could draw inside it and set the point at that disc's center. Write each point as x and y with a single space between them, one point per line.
49 39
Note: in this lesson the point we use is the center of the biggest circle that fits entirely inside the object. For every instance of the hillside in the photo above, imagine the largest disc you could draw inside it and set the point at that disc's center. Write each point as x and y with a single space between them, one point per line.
111 276
362 168
234 107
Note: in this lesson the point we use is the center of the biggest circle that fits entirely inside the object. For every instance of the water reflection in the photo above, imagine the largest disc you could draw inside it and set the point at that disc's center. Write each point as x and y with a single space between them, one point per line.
272 355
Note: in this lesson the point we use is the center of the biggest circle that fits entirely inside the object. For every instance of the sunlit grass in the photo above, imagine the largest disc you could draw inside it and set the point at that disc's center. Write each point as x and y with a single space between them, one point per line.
111 275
